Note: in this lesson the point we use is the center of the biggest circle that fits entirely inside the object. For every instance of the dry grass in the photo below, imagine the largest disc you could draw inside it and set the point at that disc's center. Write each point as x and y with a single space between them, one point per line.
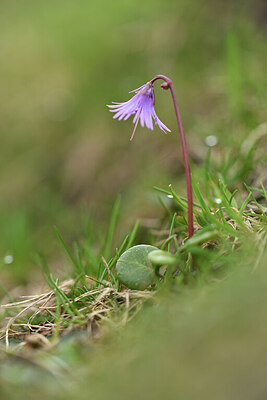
87 311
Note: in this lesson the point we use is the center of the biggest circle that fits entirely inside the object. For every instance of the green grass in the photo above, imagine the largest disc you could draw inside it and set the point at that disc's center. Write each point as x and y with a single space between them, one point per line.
193 325
228 247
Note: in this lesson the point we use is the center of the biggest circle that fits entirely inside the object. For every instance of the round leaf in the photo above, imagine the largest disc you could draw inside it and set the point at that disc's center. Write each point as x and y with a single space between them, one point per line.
134 269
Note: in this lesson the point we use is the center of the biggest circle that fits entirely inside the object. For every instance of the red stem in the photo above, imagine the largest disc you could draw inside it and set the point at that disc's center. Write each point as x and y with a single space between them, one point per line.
168 85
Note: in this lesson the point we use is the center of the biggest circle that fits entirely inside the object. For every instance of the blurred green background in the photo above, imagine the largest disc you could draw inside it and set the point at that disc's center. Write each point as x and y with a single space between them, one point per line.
63 159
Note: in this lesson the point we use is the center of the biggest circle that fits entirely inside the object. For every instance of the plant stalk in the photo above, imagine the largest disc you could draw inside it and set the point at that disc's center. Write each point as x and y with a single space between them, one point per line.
168 85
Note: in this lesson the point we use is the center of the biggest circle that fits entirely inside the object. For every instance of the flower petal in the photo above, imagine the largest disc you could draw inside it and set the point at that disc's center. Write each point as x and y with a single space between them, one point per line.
159 123
142 105
147 113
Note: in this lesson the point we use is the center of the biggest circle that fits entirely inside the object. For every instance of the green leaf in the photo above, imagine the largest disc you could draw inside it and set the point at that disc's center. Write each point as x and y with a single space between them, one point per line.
200 237
160 257
134 269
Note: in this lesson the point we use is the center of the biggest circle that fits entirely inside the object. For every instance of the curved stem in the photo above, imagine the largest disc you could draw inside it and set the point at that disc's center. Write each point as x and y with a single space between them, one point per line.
168 85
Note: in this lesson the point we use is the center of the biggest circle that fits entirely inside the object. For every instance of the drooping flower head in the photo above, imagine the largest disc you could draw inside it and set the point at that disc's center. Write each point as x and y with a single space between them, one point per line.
142 105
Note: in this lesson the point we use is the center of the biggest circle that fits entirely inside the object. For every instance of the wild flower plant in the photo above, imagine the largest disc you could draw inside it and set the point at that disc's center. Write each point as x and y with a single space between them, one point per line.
142 106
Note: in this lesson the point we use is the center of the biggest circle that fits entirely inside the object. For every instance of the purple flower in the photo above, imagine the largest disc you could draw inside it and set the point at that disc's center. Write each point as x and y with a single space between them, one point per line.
142 105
